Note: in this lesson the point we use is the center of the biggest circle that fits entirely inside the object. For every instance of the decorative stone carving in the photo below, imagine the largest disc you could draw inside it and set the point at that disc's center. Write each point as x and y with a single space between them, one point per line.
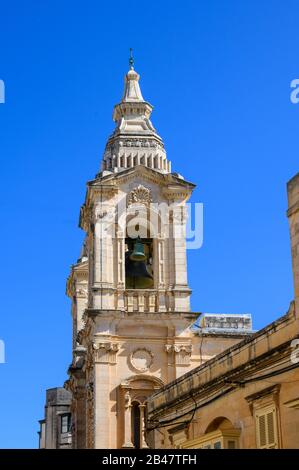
168 348
89 361
127 399
140 195
90 415
82 292
85 331
106 351
89 391
187 349
85 217
105 212
182 352
141 359
177 348
107 346
141 143
104 192
176 193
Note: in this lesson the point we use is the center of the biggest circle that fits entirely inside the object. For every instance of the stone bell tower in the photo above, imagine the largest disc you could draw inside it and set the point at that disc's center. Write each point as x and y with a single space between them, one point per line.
129 290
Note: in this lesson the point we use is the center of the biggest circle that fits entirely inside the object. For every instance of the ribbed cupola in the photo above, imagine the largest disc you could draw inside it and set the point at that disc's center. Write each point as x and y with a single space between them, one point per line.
134 141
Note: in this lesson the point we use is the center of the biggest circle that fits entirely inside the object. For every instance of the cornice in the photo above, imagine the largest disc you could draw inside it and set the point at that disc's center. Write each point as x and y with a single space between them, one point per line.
117 314
105 188
144 172
201 388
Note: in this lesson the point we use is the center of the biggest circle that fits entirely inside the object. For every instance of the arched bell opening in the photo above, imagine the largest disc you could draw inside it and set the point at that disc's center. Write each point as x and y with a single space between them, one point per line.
139 263
139 252
142 228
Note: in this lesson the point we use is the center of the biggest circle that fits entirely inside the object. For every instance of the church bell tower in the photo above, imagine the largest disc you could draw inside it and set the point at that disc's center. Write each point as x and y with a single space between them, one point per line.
129 290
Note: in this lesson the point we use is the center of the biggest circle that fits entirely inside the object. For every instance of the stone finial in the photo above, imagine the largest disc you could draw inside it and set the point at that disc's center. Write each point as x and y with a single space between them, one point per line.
131 60
132 92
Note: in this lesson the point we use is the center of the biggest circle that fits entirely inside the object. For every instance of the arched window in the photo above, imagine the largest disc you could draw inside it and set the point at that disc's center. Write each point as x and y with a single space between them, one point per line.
134 392
220 434
135 424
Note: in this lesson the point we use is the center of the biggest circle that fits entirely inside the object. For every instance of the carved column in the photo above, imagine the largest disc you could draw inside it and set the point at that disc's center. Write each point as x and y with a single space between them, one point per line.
120 269
179 245
103 256
161 273
181 301
128 426
105 357
143 444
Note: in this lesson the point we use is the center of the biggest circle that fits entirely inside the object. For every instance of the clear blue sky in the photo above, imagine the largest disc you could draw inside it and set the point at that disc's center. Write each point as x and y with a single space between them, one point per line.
218 74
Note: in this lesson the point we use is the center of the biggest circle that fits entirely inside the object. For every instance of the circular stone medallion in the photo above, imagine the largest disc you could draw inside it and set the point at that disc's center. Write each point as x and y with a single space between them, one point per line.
141 359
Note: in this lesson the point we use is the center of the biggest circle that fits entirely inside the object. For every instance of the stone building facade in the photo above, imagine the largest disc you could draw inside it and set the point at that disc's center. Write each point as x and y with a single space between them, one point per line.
245 397
133 329
55 428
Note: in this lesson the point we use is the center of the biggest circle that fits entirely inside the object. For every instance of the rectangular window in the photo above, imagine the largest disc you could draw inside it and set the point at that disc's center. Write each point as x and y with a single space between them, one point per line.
65 423
227 439
217 445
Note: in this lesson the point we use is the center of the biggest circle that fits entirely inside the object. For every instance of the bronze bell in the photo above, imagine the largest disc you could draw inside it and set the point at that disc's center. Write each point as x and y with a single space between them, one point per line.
137 274
138 251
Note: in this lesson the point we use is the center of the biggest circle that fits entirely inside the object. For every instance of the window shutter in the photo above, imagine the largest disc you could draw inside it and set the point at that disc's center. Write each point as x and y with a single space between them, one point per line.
271 429
231 444
262 430
266 431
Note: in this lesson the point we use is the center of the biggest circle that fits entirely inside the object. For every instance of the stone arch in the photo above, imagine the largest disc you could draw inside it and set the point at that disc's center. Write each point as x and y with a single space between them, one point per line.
220 434
151 379
149 218
221 423
156 213
134 392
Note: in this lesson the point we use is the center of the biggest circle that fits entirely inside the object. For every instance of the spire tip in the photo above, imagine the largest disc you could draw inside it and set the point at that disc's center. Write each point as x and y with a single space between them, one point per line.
131 60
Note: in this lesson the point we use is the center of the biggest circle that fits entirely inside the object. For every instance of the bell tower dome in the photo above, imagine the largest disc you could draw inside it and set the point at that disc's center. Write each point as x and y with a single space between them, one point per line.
135 140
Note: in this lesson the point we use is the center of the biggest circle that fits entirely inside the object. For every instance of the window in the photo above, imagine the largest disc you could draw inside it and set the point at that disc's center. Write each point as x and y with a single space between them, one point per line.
135 424
210 442
217 445
65 423
227 439
266 428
